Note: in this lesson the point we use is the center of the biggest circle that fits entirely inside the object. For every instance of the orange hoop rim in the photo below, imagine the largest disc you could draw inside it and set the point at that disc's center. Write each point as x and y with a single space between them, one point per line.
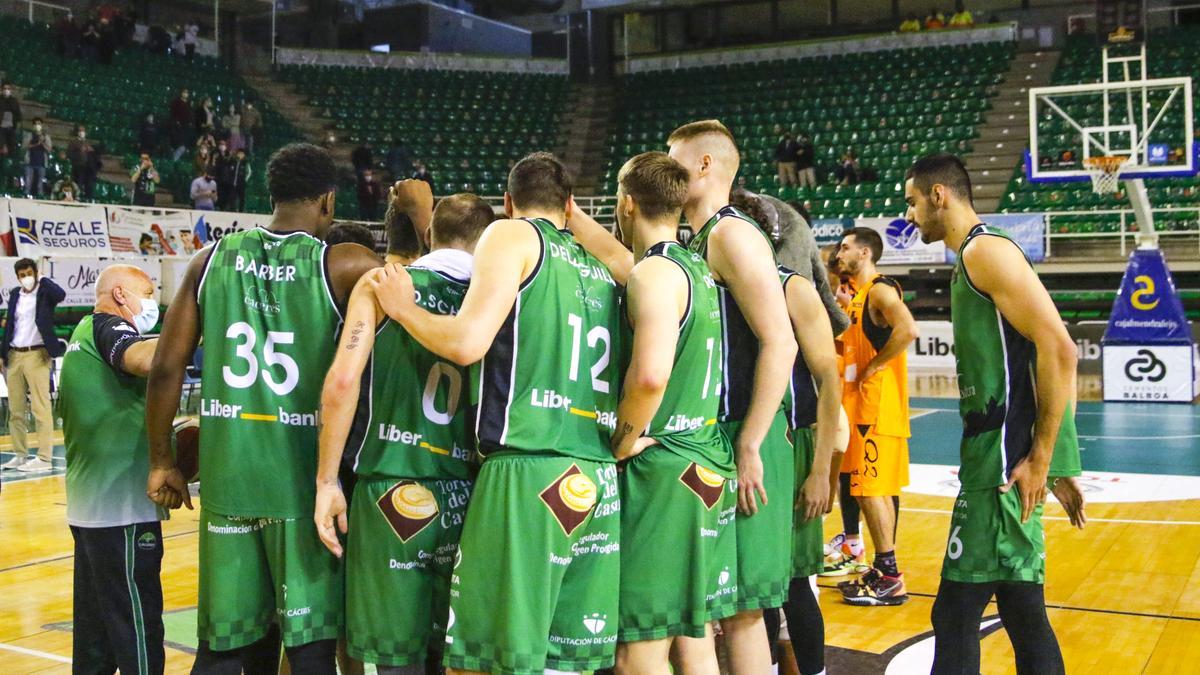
1105 163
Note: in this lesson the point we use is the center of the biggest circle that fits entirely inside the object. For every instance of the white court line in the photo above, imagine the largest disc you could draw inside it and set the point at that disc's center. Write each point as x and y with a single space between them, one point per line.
34 652
1089 437
1090 520
1080 412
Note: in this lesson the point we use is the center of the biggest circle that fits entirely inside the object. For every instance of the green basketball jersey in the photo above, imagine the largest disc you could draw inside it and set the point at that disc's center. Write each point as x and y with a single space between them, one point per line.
269 327
741 345
411 420
549 382
996 384
686 421
104 429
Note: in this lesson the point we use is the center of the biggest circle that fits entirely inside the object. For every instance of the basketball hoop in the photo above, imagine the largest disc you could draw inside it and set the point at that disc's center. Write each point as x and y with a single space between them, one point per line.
1105 172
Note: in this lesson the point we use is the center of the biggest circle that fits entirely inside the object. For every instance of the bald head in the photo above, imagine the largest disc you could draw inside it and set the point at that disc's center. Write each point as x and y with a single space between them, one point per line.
120 290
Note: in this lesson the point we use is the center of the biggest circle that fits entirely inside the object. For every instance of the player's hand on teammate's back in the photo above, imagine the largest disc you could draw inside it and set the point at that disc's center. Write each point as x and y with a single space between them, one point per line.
750 480
1068 493
168 488
813 499
393 289
330 506
1030 479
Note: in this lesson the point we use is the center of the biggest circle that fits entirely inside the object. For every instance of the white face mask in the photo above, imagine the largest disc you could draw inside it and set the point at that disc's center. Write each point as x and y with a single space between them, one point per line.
28 282
148 317
37 127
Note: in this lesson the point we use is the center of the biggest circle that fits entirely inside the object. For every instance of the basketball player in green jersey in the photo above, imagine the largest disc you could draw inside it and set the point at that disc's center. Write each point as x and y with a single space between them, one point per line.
759 354
1016 380
268 304
534 586
404 429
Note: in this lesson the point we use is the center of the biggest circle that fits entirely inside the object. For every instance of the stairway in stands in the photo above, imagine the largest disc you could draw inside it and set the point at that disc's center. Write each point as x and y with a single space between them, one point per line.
584 133
305 118
1004 134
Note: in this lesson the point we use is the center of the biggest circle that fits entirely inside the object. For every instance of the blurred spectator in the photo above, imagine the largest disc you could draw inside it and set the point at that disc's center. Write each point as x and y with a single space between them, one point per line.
420 172
397 162
85 162
191 37
10 118
806 157
38 147
848 172
231 122
935 20
238 176
910 25
66 36
351 233
206 140
330 140
148 135
370 193
158 40
223 169
106 43
785 157
89 41
180 130
362 157
962 17
203 162
205 117
65 190
145 181
204 193
251 125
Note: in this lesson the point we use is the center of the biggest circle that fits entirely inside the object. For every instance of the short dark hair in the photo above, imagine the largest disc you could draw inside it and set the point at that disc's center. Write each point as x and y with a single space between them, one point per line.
401 235
25 264
657 183
350 233
539 180
865 236
300 172
461 218
941 168
38 119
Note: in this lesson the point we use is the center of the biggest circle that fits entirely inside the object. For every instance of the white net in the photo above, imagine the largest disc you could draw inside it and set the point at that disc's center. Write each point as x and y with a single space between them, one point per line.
1105 172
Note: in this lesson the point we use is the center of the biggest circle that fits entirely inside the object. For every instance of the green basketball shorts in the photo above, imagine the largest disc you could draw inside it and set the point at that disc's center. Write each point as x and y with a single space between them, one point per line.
678 554
403 538
808 545
988 542
764 551
535 584
256 571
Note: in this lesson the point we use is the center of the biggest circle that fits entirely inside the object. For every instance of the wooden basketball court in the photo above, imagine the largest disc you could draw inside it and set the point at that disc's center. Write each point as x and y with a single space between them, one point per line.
1124 594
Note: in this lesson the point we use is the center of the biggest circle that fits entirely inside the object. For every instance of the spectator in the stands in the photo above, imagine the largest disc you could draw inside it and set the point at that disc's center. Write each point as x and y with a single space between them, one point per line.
223 164
251 125
362 157
148 135
421 172
66 36
206 116
962 16
145 181
911 24
239 170
65 190
85 162
785 157
330 140
397 162
806 161
351 233
207 140
370 193
203 161
231 122
205 193
106 44
181 128
27 352
935 19
38 149
10 118
848 172
89 41
191 37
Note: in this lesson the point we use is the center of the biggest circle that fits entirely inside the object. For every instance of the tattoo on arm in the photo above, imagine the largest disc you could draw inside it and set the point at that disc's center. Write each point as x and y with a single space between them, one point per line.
624 431
356 335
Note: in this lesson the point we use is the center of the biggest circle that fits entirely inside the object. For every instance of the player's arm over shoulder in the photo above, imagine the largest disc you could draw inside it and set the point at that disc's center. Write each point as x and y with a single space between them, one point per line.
657 298
348 262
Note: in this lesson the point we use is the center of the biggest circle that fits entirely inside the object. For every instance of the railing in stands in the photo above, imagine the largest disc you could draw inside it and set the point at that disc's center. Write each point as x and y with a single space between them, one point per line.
1126 237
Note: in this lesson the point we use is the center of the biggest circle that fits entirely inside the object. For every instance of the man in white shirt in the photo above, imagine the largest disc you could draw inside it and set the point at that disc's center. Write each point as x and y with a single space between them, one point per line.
204 193
27 351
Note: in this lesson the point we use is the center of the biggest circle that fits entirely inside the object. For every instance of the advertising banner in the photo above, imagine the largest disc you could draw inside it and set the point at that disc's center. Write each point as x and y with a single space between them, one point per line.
7 245
902 243
934 347
78 276
1161 373
1147 310
55 229
209 226
1027 229
142 232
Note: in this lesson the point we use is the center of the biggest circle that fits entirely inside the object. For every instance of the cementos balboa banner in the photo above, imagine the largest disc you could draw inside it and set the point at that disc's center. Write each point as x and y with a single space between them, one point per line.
78 276
902 241
140 232
54 229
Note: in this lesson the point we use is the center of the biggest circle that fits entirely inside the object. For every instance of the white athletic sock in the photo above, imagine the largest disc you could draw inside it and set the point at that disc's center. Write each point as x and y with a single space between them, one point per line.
855 544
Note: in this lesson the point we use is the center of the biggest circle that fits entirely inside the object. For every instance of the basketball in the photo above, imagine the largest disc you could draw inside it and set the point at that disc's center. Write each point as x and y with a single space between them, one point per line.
186 431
